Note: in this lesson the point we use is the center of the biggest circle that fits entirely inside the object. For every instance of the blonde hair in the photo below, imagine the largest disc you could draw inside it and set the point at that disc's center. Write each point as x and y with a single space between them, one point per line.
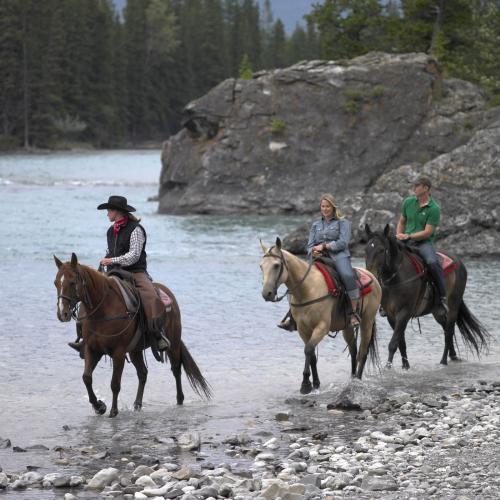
133 218
337 214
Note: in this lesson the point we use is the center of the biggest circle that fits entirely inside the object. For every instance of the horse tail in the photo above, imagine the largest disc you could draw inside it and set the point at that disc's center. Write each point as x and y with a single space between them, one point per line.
193 373
475 336
373 347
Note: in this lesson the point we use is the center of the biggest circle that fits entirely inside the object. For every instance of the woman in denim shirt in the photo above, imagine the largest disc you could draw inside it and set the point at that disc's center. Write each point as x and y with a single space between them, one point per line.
330 236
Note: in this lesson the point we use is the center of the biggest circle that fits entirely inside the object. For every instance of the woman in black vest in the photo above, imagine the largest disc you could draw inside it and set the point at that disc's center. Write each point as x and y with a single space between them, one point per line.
127 249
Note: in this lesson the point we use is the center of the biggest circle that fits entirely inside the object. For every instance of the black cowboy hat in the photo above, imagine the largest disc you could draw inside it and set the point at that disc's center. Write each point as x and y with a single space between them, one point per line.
118 203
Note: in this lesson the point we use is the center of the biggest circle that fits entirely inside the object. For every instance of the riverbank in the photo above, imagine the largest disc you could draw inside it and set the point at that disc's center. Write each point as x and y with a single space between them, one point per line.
429 445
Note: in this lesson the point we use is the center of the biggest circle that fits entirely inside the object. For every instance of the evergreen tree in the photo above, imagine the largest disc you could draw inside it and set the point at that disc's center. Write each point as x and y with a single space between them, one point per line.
278 45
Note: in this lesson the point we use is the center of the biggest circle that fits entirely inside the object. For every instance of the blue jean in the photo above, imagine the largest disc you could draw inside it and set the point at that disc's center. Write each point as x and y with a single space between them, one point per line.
346 272
428 253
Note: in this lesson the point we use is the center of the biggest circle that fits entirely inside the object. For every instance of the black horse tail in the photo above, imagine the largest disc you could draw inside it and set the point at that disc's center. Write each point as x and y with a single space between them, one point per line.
373 347
196 379
475 336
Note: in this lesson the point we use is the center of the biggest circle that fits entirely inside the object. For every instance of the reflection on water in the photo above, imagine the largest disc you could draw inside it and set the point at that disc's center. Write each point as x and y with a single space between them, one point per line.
211 264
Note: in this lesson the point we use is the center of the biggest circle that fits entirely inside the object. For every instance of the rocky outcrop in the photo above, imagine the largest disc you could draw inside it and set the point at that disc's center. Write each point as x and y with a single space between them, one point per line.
360 129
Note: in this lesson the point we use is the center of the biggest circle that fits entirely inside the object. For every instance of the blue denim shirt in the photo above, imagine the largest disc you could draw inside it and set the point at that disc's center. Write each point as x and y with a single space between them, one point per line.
336 232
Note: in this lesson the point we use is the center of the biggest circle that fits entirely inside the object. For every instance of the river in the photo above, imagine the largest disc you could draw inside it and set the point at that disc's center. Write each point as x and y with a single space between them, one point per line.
48 204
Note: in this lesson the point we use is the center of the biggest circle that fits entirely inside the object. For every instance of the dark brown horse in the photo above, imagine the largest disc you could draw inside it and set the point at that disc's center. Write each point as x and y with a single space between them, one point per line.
407 294
108 329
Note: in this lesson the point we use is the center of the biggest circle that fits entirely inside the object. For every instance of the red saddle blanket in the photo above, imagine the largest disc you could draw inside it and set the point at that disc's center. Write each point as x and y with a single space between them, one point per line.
364 280
447 263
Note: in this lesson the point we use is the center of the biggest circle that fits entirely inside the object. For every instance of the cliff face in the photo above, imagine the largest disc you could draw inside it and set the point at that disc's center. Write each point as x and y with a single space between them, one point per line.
360 129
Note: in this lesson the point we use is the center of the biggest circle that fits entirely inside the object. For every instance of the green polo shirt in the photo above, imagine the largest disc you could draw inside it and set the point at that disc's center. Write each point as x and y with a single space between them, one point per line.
418 217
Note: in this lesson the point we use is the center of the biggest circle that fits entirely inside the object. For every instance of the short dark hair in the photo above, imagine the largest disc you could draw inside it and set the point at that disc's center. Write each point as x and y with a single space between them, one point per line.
423 180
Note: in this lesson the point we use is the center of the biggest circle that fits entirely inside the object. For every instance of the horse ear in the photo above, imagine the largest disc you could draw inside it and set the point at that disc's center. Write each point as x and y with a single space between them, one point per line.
368 230
74 260
387 230
58 262
278 243
264 248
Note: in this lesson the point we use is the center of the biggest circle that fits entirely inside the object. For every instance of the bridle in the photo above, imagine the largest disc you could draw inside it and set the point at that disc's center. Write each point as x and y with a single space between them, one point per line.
75 309
380 271
289 291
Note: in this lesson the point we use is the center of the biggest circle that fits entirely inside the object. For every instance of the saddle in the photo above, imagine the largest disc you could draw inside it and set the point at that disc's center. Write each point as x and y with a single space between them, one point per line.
332 279
429 295
448 264
126 285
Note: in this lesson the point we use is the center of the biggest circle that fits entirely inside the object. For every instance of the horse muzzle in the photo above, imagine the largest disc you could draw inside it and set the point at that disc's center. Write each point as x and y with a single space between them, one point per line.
64 316
269 295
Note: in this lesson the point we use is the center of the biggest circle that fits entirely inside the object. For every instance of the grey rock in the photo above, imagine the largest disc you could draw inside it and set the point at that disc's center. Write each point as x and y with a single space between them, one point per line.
189 441
62 481
4 480
5 443
357 127
208 491
226 491
103 478
379 483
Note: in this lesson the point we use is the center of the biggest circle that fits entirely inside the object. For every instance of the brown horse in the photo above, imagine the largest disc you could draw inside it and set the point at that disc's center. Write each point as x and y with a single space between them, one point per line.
317 312
108 329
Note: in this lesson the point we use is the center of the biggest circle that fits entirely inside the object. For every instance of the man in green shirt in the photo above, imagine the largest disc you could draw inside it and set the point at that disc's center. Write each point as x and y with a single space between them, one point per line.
420 216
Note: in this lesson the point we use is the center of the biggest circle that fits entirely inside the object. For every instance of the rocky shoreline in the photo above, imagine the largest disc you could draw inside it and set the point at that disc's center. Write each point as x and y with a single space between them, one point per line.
401 446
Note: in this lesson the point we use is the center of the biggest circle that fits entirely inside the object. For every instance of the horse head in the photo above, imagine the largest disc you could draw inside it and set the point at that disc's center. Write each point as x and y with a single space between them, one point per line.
274 270
382 252
68 283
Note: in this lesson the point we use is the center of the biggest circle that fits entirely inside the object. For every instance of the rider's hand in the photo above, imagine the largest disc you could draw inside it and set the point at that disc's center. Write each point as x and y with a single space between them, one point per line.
317 249
402 236
106 262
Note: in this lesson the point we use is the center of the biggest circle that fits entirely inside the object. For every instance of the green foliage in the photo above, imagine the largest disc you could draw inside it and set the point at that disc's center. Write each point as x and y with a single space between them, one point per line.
378 91
277 126
352 106
246 72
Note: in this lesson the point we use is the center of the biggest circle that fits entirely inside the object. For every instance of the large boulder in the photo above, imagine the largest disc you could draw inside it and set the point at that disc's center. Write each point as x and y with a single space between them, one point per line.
361 129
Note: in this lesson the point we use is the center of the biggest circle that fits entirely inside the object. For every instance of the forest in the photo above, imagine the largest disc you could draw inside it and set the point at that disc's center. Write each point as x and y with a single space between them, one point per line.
79 72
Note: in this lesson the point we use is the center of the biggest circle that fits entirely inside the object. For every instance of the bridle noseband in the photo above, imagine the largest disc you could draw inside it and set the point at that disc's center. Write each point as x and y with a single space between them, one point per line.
283 265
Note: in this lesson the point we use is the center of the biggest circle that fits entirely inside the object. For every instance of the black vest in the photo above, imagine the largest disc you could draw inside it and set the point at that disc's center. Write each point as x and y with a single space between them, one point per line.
120 244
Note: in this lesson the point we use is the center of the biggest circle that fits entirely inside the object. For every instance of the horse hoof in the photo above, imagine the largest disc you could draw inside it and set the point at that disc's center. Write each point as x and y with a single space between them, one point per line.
180 402
443 362
305 388
406 367
455 359
316 385
137 406
388 365
113 413
100 407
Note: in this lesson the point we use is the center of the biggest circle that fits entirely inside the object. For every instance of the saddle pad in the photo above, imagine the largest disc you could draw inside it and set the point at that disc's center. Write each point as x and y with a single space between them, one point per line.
447 263
167 301
364 280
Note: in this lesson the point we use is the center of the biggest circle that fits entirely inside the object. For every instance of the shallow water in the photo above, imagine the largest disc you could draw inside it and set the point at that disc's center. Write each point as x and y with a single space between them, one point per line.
211 263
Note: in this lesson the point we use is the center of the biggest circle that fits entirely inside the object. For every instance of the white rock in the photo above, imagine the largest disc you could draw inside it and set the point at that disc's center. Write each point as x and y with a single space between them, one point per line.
277 146
189 441
103 478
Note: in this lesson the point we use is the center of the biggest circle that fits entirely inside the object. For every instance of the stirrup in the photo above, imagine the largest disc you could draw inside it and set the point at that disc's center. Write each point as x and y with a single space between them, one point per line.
288 324
163 343
357 319
77 346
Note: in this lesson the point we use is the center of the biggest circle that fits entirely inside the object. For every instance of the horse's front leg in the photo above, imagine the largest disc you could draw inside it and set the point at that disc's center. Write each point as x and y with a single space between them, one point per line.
399 329
116 379
91 360
311 361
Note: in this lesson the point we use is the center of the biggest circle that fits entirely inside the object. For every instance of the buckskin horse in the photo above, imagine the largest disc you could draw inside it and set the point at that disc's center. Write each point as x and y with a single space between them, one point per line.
407 293
109 329
317 310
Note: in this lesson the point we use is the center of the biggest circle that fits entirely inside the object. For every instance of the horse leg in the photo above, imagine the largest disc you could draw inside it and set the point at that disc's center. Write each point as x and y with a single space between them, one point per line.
399 329
402 350
175 357
448 326
91 360
350 340
118 364
311 362
314 371
142 374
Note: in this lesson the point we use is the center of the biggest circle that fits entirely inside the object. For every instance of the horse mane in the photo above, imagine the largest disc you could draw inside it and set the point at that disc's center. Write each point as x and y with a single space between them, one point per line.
96 279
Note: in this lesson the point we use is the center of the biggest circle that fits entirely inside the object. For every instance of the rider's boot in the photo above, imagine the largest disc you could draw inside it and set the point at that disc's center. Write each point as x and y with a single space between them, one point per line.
288 323
163 342
354 313
77 344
